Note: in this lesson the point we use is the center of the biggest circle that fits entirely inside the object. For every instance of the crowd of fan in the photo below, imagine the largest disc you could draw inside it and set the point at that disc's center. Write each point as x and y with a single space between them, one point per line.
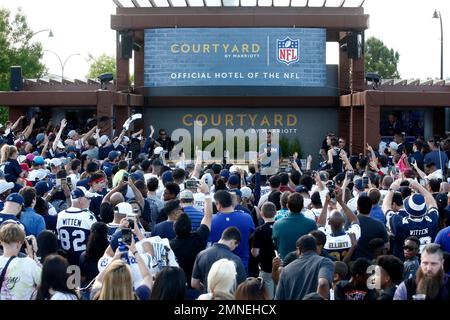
136 226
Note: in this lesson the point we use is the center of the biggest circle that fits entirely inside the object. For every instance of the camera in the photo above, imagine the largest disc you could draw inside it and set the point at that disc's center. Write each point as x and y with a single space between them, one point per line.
126 235
331 187
29 240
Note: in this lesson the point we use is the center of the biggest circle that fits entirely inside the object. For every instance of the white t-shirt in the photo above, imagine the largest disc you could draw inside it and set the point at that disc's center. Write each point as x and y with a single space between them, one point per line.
22 277
435 175
63 296
353 204
74 178
199 201
309 214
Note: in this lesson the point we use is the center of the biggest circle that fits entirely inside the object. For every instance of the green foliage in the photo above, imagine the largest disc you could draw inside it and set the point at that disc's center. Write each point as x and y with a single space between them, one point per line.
294 146
381 59
17 49
290 145
102 64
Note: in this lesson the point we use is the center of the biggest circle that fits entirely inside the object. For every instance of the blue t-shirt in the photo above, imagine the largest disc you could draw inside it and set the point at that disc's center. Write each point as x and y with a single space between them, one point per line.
425 228
34 223
443 239
240 220
377 214
439 160
164 230
195 215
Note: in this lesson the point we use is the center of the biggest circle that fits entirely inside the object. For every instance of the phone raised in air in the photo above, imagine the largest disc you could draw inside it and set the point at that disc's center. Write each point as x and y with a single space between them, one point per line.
126 235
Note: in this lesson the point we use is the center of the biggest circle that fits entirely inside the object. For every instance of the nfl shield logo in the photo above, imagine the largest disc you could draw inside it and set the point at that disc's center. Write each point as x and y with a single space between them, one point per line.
287 50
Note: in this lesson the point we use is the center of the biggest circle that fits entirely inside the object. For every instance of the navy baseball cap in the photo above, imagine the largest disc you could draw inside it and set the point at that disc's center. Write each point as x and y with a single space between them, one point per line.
301 189
113 155
224 173
233 180
137 176
15 197
42 187
359 184
80 192
237 191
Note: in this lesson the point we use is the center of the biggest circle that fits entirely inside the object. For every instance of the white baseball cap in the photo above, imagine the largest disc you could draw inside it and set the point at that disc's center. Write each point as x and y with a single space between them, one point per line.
208 179
246 193
56 162
158 150
5 186
233 169
124 208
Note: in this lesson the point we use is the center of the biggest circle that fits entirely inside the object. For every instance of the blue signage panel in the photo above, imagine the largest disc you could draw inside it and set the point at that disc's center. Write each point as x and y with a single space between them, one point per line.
235 57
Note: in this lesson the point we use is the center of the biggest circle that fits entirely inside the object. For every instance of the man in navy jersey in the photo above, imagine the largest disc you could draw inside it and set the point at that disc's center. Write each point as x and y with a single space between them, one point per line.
422 220
74 224
12 208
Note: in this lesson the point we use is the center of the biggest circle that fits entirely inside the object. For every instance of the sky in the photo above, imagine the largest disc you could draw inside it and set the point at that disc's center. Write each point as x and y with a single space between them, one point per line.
83 27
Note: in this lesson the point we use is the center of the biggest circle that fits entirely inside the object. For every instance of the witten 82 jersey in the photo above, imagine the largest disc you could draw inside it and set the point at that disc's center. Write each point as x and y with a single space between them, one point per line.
73 227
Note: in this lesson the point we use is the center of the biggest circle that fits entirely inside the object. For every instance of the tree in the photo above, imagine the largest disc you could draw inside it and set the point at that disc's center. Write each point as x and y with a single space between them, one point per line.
381 59
16 49
102 64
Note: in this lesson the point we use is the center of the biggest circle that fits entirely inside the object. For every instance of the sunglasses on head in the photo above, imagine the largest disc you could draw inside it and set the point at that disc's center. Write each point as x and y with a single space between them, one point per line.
260 281
409 248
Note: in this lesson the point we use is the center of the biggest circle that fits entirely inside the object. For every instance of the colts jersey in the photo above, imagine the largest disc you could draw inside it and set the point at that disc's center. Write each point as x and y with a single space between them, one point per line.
73 227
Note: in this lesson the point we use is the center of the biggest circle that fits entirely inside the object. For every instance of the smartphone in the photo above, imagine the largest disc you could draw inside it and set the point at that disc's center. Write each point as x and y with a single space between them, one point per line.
131 218
58 184
365 182
191 184
126 235
291 159
125 176
130 154
276 254
30 241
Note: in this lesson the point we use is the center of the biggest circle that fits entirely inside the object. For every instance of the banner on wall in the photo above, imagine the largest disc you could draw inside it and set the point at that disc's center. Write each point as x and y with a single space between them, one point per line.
235 57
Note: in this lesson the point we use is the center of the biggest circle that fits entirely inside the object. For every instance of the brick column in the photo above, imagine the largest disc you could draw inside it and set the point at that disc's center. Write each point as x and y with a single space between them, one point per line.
105 109
357 129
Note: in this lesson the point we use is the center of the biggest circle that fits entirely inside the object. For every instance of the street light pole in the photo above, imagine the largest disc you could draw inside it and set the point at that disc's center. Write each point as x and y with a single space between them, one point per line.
63 65
50 33
437 14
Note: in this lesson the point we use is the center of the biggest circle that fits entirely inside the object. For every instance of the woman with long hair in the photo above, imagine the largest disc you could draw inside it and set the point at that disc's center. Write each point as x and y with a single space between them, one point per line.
221 281
54 280
252 289
47 243
11 169
170 284
96 246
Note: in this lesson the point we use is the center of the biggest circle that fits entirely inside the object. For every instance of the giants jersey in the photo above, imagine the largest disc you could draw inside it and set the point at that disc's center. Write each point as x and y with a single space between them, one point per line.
338 245
73 227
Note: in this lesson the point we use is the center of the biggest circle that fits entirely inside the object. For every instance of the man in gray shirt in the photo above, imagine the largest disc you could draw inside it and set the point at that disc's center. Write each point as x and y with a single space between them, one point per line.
229 241
309 273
